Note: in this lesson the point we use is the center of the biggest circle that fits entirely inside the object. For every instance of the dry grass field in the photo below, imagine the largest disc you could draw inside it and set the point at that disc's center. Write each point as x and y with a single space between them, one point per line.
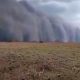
39 61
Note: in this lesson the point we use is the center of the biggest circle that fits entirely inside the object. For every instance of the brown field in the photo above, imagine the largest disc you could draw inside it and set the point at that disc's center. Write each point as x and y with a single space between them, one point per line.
39 61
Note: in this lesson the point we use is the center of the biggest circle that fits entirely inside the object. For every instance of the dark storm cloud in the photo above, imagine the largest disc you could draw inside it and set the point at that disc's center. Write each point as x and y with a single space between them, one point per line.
19 21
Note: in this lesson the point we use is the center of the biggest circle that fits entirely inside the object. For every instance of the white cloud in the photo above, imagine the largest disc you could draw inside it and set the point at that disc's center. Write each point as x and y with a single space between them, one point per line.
68 9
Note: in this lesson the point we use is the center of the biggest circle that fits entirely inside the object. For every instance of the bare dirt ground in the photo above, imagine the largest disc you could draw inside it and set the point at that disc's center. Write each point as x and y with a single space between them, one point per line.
39 61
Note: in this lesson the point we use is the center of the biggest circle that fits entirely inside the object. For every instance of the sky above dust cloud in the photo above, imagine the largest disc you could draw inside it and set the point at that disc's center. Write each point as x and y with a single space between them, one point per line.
67 9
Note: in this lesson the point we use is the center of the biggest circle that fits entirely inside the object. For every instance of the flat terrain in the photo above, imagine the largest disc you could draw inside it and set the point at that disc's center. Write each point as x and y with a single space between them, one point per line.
39 61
